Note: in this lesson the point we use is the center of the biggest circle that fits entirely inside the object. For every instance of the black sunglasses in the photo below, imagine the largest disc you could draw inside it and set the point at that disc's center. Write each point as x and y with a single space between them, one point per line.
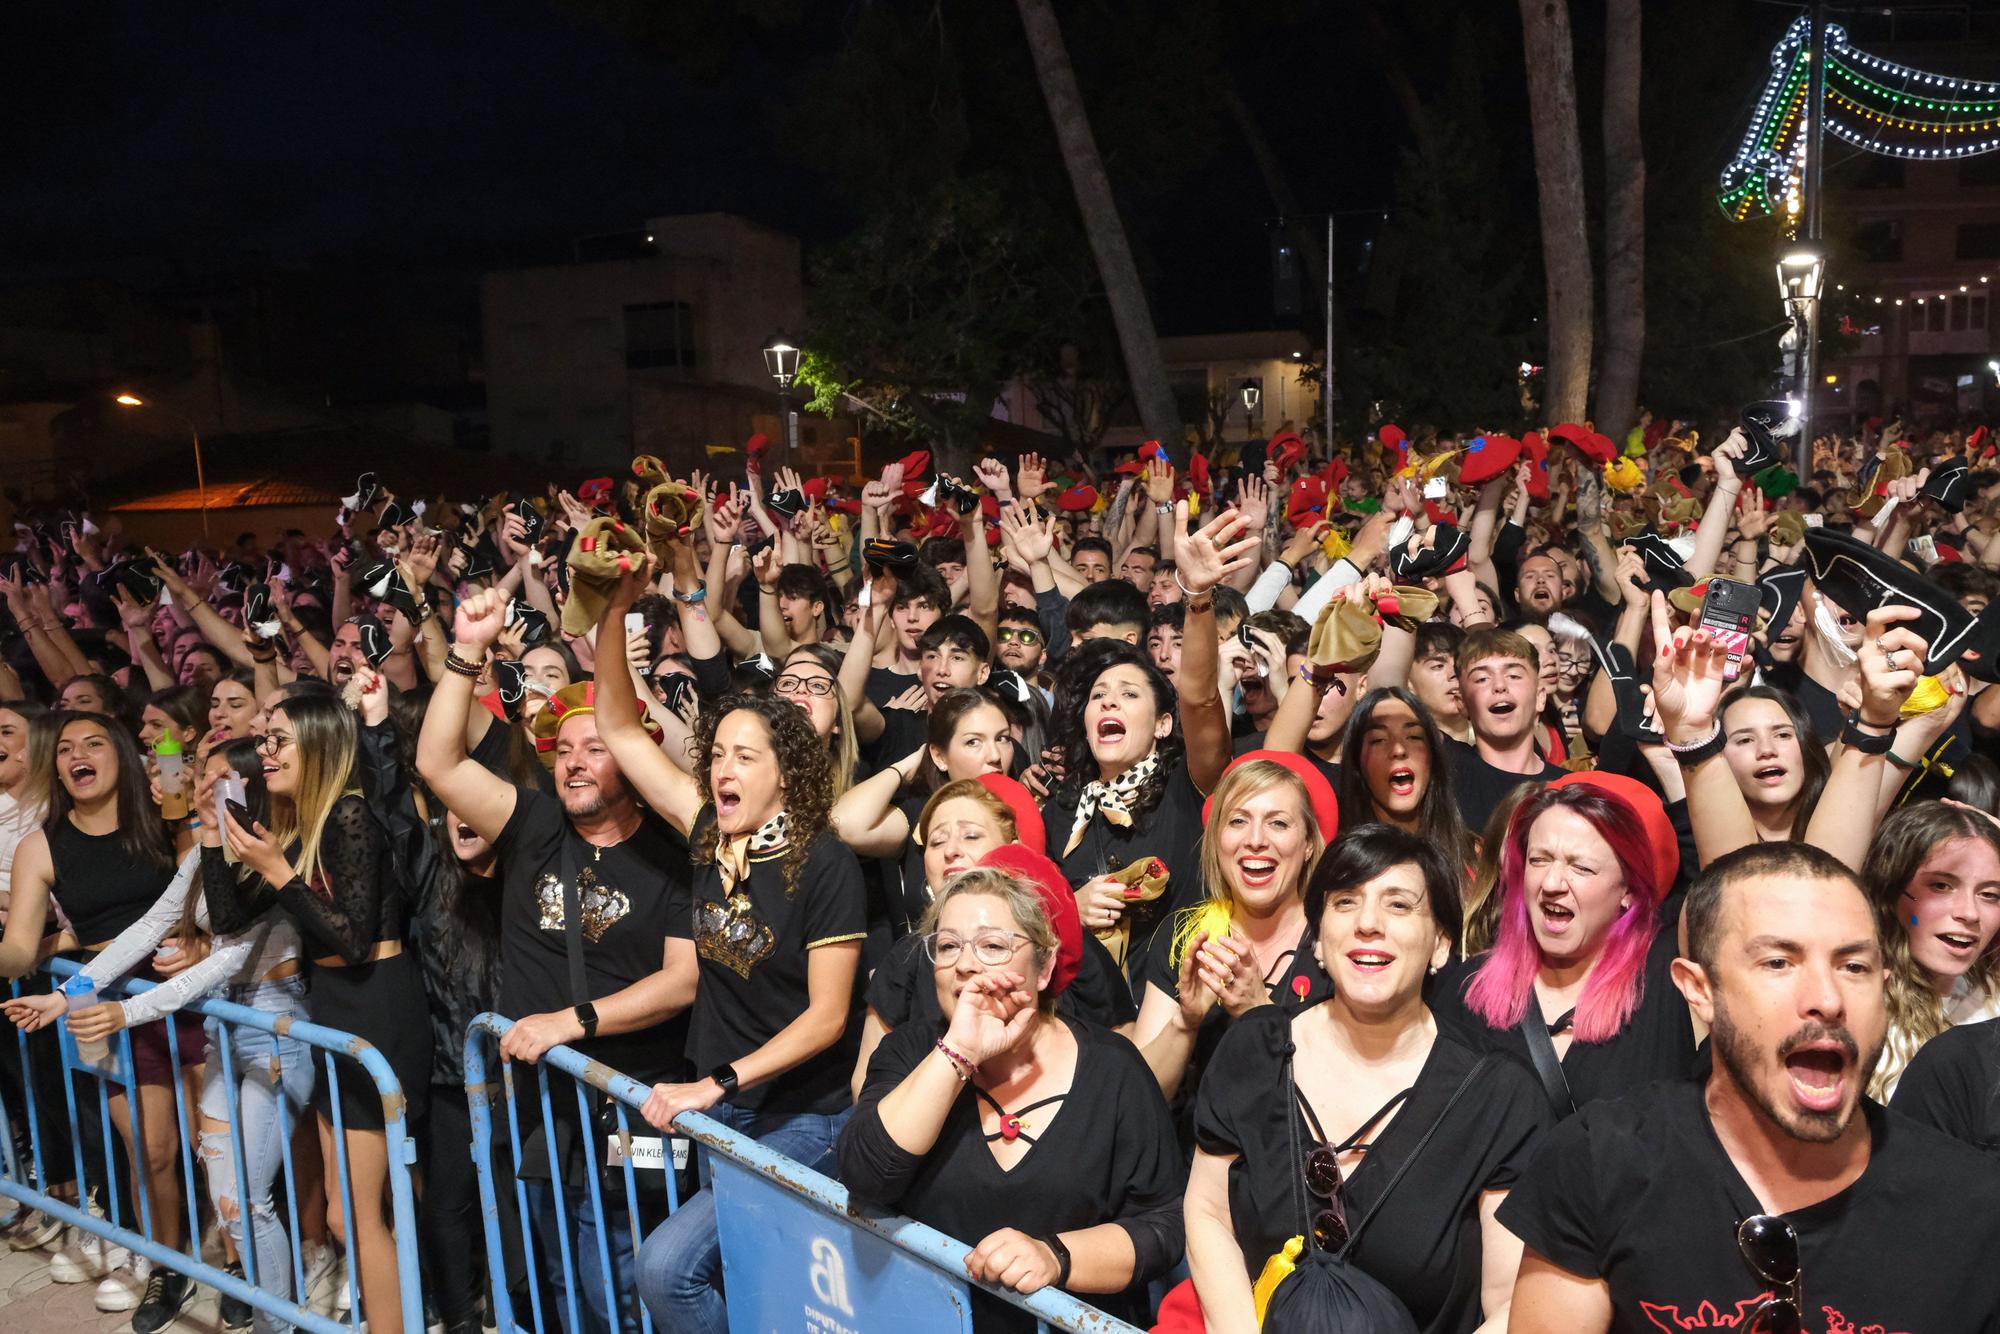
1770 1246
1324 1183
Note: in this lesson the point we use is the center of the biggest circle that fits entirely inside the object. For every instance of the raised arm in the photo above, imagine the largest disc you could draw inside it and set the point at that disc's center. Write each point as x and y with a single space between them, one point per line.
866 819
1207 557
1891 661
1687 694
665 786
483 799
227 640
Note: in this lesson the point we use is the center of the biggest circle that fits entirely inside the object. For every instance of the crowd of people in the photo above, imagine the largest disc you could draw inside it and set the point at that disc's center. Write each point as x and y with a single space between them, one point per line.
1429 882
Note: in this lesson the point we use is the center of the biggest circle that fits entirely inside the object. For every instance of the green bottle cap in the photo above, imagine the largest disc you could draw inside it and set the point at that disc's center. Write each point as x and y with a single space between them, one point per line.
167 744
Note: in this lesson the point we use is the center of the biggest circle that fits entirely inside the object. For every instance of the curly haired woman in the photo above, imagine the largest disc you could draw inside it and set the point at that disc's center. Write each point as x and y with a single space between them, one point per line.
779 917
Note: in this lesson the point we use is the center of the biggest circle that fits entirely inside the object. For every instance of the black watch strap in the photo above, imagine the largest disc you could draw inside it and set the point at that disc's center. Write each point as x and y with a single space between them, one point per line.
586 1014
724 1075
1866 743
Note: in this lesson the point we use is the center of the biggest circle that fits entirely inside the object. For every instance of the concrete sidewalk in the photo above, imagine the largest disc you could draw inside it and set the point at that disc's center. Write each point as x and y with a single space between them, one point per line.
31 1304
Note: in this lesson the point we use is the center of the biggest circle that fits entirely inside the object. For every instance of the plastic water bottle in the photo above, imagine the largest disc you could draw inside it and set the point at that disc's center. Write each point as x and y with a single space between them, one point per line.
79 993
173 779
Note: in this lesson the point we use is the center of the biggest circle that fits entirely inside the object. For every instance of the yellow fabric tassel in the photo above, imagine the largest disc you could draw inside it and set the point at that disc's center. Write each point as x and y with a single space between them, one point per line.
1276 1270
1211 915
1930 694
1335 544
1623 475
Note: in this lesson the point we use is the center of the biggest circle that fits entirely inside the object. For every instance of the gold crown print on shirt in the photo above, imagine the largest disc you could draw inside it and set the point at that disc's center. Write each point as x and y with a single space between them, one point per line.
603 907
729 933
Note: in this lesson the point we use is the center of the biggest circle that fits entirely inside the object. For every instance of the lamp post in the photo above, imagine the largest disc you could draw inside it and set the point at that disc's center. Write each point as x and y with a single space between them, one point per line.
781 359
1251 393
1801 283
129 400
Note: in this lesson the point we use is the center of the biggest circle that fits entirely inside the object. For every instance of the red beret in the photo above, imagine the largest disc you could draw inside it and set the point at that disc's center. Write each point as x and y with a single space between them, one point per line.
1487 457
1077 498
816 488
1319 792
1285 449
1058 901
1307 502
1152 450
1392 436
596 493
1644 803
1197 472
1597 448
917 464
1537 449
1130 468
1028 829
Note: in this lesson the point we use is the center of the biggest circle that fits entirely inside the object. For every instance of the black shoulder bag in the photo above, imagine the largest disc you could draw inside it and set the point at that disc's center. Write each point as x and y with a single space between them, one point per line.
1328 1293
1542 1051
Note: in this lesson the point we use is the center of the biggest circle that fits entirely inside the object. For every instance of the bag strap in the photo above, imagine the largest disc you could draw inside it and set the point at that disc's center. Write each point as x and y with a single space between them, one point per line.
1478 1068
579 988
1542 1052
1297 1173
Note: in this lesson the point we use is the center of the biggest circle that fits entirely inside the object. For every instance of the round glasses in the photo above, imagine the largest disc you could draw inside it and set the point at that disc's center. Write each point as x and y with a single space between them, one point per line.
991 948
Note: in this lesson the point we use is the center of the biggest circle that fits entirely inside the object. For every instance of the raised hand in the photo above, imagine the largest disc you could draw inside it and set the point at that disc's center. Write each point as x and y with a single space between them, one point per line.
725 517
1688 679
1727 455
1207 556
1159 481
1253 502
1632 577
1031 477
1025 531
633 582
992 474
1892 661
993 1014
766 565
478 621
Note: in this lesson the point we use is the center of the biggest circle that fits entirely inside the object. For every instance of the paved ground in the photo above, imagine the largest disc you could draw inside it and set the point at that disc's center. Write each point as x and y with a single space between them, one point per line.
31 1304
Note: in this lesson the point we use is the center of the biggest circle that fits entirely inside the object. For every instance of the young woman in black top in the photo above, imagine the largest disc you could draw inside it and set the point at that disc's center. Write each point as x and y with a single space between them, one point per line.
327 863
105 856
1131 785
779 917
1370 1073
1059 1165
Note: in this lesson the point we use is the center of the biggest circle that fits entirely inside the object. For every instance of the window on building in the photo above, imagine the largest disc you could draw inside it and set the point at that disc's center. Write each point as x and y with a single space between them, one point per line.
1880 241
1979 240
660 335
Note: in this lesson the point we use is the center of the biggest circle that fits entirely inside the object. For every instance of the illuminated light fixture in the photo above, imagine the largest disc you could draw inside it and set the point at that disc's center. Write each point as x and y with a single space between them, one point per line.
781 360
129 401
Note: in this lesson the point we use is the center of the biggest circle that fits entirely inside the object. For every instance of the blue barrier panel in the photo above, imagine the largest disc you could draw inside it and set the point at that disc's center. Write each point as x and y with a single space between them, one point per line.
30 1184
796 1255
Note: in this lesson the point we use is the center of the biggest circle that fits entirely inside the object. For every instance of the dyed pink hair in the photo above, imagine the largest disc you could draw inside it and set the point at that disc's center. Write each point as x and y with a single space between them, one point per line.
1505 984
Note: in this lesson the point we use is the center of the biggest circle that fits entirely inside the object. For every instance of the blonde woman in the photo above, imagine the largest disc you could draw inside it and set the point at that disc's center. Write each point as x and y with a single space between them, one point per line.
1244 944
326 864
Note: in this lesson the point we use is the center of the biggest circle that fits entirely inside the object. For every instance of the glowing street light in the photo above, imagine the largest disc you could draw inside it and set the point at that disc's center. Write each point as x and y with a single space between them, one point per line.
131 400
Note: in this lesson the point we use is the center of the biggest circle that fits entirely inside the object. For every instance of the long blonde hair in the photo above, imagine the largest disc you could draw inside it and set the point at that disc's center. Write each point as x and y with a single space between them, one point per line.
1216 911
326 740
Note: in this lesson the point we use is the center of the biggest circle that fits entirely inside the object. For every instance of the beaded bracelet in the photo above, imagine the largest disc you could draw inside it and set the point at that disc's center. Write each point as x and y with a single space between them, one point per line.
454 663
959 1065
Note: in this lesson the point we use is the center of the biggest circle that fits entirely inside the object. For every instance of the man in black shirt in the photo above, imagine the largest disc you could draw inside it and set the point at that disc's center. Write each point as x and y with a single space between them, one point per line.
1634 1210
1499 676
628 873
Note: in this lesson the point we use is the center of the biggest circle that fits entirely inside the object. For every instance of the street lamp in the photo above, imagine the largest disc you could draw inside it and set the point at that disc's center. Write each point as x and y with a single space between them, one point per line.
1801 284
1252 391
131 400
781 359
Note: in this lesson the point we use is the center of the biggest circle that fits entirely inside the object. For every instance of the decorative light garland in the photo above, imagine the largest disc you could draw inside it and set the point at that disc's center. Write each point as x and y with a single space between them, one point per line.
1872 103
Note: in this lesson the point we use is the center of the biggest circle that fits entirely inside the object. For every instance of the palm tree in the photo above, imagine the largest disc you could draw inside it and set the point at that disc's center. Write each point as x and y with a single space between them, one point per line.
1129 310
1559 178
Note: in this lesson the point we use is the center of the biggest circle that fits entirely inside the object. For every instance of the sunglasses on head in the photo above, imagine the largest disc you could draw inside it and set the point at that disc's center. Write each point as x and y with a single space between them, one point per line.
1770 1246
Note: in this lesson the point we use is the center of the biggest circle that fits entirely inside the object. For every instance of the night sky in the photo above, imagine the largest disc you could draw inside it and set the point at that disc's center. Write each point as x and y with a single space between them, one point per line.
149 142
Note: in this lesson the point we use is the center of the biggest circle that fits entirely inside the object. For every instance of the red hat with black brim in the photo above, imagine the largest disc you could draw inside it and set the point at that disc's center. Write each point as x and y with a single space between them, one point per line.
1487 457
1859 578
1285 449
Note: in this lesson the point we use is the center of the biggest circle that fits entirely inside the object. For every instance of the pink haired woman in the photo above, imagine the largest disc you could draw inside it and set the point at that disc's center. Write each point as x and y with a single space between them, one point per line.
1576 984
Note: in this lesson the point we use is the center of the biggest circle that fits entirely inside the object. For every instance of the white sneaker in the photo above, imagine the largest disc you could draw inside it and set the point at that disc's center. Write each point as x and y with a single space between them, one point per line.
322 1264
123 1287
85 1258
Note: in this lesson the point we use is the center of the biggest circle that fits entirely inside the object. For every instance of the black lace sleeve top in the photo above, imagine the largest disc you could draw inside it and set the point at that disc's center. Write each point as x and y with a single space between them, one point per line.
357 898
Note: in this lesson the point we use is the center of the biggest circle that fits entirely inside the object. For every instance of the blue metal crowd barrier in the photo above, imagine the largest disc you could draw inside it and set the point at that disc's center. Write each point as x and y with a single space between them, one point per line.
28 1185
796 1253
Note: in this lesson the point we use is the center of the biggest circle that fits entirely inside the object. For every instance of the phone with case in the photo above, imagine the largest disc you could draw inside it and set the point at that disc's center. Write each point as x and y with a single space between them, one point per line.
1729 615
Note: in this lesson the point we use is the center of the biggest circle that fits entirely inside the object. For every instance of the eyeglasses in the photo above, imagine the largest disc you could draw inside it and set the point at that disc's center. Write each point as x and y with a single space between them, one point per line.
803 685
1574 666
991 948
1324 1183
1020 636
1770 1247
272 742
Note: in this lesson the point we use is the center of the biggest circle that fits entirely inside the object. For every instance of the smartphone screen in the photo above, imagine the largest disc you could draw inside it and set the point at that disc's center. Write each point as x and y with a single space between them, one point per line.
1729 614
1437 488
635 624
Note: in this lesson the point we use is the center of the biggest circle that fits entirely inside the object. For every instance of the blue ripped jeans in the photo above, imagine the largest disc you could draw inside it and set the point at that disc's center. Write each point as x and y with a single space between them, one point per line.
680 1266
267 1068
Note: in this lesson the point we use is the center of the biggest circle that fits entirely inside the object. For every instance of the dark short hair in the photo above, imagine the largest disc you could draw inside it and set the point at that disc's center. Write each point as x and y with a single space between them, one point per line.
959 632
1019 615
1154 552
922 584
803 581
942 551
1097 544
1171 614
1362 853
1290 628
1113 602
1703 911
1439 637
1230 604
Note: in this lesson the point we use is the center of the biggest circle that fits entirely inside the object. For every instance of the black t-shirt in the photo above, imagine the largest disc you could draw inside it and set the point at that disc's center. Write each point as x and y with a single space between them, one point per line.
901 991
1657 1042
1423 1244
633 895
1478 787
912 894
754 946
1640 1193
1169 830
1953 1084
1105 1153
884 684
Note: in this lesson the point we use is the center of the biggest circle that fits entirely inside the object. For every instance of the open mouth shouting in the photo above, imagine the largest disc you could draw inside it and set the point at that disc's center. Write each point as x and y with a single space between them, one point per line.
1257 872
1771 775
82 776
463 834
1557 917
342 669
1818 1068
1110 730
728 801
1402 781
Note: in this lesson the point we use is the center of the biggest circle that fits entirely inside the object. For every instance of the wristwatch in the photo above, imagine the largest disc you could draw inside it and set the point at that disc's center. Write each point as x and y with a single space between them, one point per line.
724 1075
586 1014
